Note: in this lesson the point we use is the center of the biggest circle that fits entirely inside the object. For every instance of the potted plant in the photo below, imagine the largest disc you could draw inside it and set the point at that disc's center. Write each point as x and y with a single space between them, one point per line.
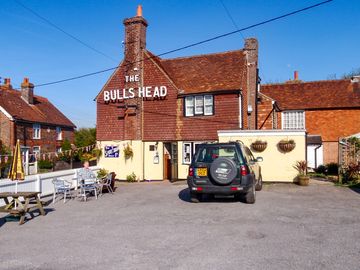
303 178
102 173
259 145
287 145
128 152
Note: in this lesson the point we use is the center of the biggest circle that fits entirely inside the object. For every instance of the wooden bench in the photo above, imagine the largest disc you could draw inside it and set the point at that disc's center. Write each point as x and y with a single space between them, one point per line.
31 201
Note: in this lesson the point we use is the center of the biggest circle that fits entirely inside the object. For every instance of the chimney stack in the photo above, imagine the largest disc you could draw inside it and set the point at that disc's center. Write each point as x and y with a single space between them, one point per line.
135 38
7 84
27 91
296 75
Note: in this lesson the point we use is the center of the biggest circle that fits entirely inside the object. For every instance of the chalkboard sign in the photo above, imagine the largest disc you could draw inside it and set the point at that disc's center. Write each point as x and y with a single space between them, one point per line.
112 151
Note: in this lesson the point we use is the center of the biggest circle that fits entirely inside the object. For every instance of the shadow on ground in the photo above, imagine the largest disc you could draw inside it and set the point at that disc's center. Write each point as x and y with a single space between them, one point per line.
184 195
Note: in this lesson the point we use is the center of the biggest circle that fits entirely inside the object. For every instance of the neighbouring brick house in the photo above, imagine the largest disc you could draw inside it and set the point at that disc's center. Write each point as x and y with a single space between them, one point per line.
163 108
32 119
328 110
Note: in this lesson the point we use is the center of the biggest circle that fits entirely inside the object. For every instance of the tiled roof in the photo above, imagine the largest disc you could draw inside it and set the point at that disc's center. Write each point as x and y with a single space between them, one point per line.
314 95
208 72
42 111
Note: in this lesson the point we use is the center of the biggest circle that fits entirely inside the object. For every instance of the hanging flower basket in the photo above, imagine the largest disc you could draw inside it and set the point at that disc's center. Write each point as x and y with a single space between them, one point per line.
128 152
287 145
259 146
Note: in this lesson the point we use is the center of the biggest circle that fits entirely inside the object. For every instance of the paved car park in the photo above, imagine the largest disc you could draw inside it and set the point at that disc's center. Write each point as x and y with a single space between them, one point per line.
154 226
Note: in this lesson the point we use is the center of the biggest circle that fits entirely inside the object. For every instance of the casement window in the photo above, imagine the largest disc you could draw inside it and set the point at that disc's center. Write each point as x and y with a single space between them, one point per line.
189 149
293 120
36 150
58 134
199 105
36 131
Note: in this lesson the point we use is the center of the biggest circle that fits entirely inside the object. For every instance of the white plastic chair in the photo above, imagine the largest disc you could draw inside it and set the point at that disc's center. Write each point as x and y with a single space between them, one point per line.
106 182
61 187
88 186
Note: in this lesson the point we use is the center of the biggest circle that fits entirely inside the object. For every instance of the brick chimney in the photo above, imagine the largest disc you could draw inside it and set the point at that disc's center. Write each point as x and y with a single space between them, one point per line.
251 49
135 38
27 91
7 84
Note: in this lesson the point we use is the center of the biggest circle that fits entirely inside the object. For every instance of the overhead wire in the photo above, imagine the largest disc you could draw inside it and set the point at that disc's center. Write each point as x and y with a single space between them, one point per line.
190 45
64 32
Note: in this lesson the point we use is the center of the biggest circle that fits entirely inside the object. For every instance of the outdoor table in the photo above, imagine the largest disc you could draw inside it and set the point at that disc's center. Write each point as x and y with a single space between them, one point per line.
21 207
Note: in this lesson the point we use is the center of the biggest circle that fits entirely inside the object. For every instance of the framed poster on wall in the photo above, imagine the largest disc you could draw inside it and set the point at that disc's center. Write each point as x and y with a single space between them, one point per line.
111 151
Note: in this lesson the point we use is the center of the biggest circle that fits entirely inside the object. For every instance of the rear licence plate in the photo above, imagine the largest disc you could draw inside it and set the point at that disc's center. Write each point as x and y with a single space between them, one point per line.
201 171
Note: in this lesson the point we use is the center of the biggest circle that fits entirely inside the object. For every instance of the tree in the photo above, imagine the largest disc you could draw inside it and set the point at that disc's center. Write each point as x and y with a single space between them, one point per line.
85 137
352 73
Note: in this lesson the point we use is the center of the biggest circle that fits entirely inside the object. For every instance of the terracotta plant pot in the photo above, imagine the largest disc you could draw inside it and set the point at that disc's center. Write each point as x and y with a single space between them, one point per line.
303 180
287 146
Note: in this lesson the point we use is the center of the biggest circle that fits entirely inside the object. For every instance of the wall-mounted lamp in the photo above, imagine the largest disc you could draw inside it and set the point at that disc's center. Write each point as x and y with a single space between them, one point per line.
250 109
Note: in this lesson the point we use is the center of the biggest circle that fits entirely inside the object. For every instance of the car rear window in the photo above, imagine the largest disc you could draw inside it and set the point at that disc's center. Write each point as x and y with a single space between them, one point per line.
209 153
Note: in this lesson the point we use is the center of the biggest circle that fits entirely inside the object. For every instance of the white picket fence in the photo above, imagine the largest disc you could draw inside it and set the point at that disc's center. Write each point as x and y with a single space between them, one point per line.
41 182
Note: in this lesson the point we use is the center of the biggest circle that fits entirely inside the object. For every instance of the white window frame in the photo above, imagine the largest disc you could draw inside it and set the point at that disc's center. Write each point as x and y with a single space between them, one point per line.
189 102
58 134
36 131
197 104
212 104
298 118
187 152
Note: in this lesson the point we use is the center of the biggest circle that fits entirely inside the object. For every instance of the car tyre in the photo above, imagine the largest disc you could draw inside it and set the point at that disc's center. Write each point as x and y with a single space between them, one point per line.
259 184
195 197
250 196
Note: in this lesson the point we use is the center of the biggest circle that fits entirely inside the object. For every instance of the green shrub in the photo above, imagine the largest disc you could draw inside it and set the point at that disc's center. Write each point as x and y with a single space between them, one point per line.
320 169
332 168
131 177
45 164
350 174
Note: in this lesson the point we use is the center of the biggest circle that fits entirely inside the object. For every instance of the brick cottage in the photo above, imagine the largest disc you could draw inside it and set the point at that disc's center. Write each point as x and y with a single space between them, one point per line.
32 119
328 110
162 108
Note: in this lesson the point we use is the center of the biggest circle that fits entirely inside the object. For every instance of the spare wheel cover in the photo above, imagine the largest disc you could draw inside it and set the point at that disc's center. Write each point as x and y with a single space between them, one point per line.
223 170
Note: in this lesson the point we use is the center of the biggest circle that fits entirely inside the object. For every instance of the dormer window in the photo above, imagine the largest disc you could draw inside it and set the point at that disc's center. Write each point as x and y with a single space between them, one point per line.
36 131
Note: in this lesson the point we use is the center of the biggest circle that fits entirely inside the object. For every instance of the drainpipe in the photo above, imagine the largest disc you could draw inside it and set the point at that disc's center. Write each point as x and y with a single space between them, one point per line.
316 148
256 98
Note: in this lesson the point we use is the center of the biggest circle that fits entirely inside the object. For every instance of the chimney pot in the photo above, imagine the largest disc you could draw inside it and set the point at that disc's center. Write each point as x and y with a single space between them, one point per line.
139 11
27 91
296 75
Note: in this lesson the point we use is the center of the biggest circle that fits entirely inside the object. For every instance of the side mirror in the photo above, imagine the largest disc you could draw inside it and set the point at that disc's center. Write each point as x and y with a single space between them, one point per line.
259 159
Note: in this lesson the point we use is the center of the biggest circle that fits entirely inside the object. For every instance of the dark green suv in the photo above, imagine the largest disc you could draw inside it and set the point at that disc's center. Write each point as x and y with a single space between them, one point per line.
224 169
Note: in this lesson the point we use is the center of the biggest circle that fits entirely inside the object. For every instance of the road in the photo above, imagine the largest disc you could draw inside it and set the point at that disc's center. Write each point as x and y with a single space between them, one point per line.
154 226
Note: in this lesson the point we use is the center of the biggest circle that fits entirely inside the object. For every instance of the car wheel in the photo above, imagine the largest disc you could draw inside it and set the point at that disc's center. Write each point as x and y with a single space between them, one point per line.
195 197
250 196
259 184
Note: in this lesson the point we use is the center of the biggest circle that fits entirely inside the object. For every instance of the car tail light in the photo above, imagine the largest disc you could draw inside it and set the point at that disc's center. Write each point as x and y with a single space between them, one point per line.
191 171
197 188
243 170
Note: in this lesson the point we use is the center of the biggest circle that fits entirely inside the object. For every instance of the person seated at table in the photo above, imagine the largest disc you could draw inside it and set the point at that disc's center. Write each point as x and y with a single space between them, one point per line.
85 172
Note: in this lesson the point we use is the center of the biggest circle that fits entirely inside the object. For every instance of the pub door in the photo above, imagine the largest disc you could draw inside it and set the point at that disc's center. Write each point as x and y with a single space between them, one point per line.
170 161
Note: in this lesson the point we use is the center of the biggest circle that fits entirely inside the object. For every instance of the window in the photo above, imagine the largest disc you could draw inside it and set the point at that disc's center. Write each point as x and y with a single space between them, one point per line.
189 106
36 131
58 134
293 120
199 105
189 149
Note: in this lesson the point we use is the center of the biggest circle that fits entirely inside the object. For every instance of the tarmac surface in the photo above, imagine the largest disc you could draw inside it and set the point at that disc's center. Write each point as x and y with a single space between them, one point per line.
154 226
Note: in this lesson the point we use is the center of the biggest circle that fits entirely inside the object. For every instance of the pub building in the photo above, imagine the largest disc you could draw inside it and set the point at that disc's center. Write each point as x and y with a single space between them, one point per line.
152 112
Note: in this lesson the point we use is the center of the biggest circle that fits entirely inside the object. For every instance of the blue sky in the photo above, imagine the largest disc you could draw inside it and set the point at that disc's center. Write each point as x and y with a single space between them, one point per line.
318 43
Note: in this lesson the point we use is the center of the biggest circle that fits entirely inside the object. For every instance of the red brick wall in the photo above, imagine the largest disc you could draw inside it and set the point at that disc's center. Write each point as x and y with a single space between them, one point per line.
330 152
48 140
265 116
160 115
200 128
332 124
6 131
